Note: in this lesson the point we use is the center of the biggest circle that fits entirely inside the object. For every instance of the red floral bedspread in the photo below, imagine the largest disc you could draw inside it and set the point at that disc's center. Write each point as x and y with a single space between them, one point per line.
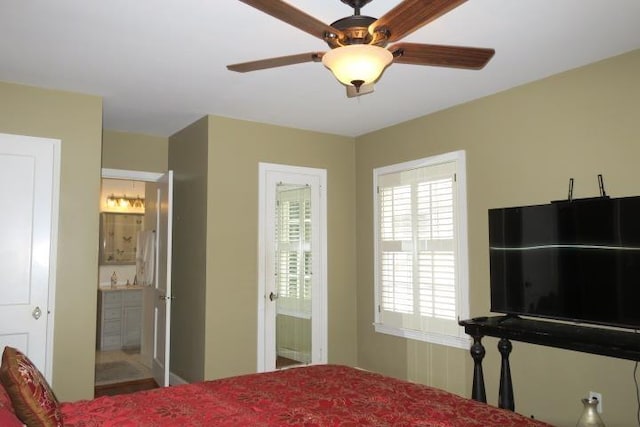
324 395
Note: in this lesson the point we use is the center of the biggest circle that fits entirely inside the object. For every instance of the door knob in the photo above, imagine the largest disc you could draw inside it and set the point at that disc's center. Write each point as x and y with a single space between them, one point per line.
36 313
273 296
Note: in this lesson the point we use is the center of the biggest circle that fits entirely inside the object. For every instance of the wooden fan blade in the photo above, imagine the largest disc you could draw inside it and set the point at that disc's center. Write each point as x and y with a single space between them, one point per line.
293 16
280 61
473 58
410 15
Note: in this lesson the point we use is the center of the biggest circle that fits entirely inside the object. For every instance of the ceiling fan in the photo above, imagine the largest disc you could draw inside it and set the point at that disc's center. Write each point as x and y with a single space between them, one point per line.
359 52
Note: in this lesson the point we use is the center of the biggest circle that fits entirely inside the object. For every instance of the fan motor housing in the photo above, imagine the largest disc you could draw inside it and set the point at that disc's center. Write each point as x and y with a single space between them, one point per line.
356 4
356 31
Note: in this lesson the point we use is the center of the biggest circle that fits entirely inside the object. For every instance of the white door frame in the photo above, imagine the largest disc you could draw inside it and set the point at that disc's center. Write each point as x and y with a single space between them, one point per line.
130 175
53 255
319 298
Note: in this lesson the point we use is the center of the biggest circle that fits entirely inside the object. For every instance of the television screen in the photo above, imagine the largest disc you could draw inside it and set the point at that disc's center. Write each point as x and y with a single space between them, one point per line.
576 261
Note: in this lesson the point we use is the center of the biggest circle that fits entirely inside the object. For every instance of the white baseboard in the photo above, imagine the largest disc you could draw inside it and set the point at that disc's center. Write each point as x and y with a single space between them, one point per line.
176 380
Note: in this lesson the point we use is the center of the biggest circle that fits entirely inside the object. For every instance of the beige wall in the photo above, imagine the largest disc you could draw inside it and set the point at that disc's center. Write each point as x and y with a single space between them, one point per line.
235 149
188 159
77 121
522 147
134 151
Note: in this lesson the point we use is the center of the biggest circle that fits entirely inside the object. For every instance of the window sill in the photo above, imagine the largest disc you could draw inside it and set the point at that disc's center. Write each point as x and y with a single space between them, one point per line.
463 342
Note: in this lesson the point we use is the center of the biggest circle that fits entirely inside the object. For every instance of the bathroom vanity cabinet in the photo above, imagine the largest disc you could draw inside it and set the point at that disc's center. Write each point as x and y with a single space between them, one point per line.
120 319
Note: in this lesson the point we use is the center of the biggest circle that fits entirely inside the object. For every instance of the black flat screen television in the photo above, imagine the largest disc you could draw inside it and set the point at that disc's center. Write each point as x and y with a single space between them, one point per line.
577 261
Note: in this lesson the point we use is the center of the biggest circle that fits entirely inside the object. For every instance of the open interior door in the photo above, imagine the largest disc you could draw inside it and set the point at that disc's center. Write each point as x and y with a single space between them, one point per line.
163 189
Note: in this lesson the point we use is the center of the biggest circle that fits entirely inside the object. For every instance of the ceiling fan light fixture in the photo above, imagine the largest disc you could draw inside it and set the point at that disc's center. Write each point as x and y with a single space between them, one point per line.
355 65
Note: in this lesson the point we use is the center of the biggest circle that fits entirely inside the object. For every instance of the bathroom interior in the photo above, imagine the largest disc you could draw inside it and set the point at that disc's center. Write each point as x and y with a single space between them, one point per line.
125 273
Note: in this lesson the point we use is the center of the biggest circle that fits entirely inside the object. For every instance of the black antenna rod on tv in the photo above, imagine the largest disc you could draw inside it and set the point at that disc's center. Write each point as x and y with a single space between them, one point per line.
601 185
570 196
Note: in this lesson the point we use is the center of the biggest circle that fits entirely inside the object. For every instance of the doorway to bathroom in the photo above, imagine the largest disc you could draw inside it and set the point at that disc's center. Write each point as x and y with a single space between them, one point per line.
121 286
134 281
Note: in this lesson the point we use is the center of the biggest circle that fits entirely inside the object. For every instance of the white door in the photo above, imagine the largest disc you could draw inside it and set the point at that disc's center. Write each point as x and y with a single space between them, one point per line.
162 287
29 172
292 308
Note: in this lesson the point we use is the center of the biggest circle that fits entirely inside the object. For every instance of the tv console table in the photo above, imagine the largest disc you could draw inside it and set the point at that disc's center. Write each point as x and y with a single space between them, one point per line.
605 342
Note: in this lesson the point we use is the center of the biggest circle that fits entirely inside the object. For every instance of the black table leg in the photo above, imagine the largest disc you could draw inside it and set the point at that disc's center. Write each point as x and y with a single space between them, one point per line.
505 395
477 353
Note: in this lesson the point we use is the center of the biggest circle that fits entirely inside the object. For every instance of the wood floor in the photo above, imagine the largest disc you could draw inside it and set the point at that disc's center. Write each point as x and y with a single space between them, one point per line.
149 383
283 362
124 388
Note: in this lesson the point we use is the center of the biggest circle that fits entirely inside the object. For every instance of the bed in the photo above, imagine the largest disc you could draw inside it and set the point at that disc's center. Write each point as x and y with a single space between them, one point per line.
319 395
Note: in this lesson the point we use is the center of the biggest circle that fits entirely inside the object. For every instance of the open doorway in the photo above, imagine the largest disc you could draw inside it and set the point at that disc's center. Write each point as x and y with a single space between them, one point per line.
153 231
122 364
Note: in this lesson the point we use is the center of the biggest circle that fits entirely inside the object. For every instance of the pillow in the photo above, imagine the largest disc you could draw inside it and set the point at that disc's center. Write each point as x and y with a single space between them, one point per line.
32 398
5 400
8 418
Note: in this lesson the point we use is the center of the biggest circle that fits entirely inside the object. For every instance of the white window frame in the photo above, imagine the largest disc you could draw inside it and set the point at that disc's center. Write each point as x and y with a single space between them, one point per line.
458 339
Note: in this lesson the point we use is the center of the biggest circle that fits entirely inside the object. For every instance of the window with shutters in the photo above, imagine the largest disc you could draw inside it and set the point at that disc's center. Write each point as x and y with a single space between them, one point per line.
421 268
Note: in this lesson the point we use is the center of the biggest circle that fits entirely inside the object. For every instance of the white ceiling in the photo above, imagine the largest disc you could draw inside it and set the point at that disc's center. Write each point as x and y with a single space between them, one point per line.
159 64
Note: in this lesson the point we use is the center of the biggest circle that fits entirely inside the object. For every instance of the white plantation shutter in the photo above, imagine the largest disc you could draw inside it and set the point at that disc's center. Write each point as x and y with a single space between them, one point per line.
417 250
